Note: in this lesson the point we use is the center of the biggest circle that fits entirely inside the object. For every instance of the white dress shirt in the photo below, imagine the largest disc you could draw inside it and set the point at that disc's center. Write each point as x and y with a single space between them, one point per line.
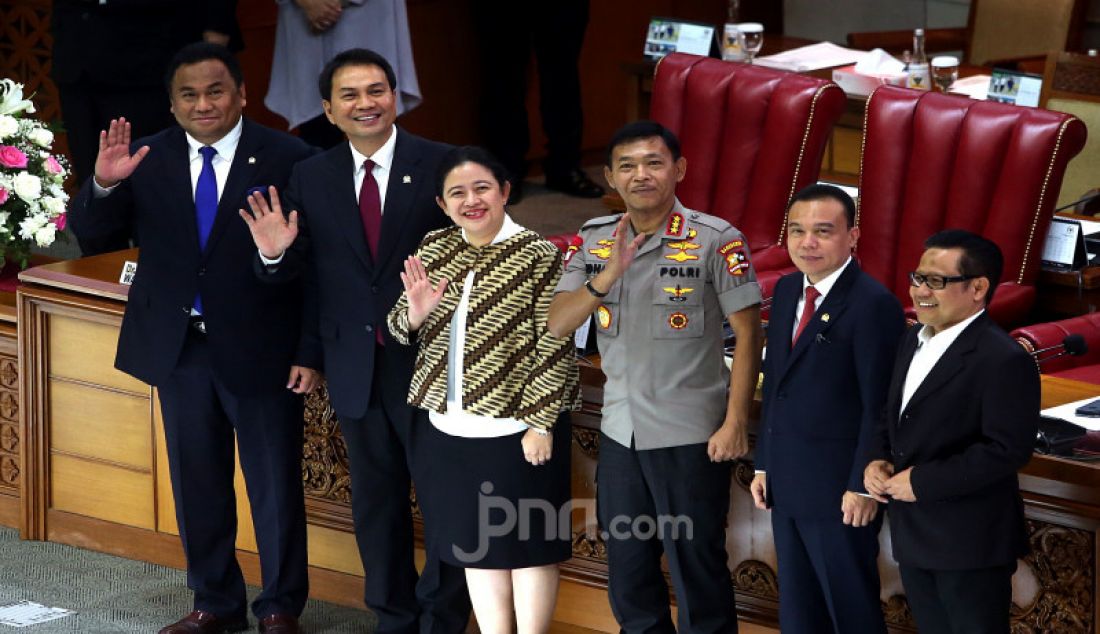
930 347
226 148
823 287
456 421
383 164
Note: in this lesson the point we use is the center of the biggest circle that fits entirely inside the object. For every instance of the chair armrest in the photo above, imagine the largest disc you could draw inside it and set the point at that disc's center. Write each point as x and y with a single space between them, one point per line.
1052 333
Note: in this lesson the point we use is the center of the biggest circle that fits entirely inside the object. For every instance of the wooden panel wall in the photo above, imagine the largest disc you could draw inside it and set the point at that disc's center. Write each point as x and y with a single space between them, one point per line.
444 46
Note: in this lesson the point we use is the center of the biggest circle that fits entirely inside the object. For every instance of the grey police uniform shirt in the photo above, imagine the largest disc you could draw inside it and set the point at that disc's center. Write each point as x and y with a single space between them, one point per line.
659 329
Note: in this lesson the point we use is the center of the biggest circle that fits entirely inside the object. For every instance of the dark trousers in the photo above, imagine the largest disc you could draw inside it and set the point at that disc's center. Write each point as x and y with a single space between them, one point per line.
828 575
509 31
381 449
675 500
959 601
200 418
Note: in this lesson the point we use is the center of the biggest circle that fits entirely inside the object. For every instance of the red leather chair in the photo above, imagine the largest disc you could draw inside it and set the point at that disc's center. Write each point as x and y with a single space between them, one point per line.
933 161
752 136
1051 334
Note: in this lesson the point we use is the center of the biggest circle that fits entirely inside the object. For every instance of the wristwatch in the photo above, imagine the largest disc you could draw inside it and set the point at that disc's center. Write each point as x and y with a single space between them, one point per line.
592 289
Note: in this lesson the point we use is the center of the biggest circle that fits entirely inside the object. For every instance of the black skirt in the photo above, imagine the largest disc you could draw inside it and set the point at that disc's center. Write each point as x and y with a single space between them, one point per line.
485 506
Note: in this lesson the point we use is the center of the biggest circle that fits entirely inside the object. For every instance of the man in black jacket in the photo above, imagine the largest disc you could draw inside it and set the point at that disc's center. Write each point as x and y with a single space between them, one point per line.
217 343
961 416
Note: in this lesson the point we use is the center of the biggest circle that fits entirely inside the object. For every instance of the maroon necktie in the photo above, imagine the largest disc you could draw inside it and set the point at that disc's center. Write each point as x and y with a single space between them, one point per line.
807 311
370 208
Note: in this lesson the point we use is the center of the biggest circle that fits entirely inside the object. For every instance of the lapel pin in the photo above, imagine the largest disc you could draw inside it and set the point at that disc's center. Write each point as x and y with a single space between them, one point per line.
406 179
825 317
252 160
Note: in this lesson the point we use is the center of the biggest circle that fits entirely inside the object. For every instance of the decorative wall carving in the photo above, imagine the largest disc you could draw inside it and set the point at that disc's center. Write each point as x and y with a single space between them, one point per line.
587 440
897 613
325 472
25 43
589 546
1063 561
743 473
9 423
756 578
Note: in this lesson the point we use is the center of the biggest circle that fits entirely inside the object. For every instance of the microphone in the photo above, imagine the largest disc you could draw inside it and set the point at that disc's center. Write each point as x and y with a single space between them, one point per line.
1087 198
1072 345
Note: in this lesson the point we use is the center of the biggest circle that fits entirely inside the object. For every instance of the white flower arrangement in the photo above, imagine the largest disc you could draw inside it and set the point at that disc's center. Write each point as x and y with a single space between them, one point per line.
32 198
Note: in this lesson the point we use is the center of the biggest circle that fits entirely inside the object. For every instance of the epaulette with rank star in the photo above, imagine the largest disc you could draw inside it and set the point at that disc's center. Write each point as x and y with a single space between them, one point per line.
709 221
601 221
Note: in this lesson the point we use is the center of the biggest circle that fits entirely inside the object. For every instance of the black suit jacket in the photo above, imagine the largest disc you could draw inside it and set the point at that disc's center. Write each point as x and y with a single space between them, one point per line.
966 431
129 42
351 292
253 328
823 397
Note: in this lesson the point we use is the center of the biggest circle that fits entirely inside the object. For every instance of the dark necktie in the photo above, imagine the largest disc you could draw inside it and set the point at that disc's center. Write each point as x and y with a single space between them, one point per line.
807 311
370 208
206 202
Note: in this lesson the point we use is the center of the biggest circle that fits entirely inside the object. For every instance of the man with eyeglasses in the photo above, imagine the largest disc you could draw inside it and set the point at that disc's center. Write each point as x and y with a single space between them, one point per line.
960 420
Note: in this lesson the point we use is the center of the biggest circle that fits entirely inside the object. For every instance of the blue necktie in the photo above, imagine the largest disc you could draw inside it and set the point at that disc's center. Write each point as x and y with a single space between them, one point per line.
206 202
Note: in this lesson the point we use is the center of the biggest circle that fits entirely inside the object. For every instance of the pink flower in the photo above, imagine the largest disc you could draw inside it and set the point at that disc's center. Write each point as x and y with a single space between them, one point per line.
52 166
10 156
58 221
3 195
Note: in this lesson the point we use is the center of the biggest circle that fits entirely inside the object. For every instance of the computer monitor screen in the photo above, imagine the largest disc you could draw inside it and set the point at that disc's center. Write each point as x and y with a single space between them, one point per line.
1010 86
666 35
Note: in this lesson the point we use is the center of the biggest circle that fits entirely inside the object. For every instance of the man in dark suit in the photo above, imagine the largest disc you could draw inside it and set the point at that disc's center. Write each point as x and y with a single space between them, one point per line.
357 211
832 339
216 342
108 61
961 419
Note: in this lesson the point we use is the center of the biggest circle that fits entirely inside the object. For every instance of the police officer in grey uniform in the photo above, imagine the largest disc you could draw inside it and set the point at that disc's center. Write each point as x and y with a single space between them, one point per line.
659 280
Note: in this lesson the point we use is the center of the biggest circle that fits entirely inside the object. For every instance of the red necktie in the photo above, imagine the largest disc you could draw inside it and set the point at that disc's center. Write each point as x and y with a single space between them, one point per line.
370 208
807 311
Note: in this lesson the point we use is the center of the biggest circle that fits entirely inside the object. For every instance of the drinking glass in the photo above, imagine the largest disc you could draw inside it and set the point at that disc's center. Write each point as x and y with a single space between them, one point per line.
945 70
752 38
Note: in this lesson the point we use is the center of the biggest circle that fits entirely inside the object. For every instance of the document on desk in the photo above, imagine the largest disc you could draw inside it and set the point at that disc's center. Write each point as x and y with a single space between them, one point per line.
975 86
812 57
1068 413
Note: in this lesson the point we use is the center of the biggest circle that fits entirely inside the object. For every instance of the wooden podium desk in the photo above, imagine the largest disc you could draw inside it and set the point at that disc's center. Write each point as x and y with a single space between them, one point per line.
94 466
94 475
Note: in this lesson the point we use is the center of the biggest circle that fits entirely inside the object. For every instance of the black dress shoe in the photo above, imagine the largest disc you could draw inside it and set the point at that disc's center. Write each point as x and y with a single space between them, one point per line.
199 622
575 183
279 624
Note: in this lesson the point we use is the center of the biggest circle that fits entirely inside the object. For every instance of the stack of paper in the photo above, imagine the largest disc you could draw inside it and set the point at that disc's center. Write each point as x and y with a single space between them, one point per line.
812 57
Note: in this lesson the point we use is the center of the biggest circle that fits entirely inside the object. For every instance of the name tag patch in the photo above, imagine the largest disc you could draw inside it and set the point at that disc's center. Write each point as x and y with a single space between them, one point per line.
681 271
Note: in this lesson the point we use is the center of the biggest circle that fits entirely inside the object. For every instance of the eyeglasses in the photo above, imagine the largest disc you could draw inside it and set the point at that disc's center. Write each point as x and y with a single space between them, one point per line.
936 282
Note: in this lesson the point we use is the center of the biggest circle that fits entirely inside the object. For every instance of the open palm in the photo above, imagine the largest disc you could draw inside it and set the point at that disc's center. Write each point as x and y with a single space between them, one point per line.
114 162
419 292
